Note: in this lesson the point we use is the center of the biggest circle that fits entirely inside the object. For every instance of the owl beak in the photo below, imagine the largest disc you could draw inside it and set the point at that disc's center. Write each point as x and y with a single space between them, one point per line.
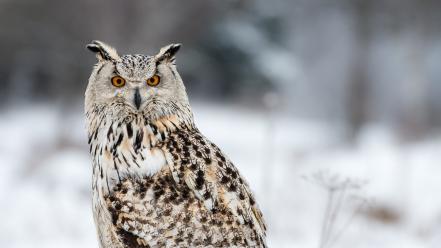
137 99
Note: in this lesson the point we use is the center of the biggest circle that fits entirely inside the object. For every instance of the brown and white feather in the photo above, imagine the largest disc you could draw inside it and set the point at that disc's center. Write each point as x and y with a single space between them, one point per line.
157 181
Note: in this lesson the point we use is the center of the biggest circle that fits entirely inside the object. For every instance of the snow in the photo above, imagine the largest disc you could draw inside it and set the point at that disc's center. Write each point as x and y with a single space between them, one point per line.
46 178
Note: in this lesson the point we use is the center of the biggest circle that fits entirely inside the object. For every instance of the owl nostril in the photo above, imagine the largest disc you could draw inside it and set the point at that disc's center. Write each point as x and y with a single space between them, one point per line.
137 99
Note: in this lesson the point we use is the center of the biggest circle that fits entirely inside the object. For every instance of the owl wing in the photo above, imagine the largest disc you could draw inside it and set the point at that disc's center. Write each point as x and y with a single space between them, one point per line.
201 165
195 165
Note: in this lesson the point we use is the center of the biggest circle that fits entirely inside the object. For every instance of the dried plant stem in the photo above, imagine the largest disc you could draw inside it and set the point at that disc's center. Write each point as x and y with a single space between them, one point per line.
325 223
338 190
347 224
334 214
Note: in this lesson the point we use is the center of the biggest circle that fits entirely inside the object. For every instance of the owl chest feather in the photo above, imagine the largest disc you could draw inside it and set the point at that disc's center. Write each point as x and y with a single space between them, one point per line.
125 150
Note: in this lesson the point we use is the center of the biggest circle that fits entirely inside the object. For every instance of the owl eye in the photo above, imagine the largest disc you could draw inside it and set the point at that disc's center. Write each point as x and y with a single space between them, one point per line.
153 81
118 81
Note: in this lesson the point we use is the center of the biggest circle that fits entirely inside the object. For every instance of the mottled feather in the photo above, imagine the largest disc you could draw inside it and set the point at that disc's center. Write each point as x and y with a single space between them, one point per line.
157 181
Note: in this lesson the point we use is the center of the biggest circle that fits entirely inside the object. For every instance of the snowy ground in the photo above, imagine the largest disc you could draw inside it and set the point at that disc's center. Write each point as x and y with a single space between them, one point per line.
45 186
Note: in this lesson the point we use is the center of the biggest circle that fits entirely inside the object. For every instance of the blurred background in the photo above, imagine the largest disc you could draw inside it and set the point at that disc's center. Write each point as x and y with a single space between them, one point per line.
336 108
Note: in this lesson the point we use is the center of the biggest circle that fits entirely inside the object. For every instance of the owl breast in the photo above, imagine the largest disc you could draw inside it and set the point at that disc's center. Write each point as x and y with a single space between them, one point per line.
127 149
124 153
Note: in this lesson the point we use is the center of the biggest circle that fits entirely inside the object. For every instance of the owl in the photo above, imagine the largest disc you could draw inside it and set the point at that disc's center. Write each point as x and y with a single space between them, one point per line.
157 181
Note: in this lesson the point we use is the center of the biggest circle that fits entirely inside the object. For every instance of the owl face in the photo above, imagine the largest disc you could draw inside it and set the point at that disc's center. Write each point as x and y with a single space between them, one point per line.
136 84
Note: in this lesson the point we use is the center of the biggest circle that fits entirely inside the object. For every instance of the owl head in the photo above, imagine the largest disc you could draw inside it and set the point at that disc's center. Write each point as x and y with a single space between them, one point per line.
136 84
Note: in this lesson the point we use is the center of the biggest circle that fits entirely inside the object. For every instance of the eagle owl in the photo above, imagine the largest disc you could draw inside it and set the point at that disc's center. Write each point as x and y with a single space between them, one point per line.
157 181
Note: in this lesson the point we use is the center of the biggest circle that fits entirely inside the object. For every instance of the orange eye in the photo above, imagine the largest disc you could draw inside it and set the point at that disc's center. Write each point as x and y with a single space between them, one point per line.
153 81
118 81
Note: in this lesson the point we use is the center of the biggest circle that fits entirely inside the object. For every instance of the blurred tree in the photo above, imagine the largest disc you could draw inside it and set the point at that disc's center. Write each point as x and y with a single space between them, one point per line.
358 81
344 61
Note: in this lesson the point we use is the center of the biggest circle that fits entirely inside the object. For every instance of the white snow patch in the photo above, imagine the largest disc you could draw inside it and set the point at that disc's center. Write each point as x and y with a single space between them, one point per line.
46 178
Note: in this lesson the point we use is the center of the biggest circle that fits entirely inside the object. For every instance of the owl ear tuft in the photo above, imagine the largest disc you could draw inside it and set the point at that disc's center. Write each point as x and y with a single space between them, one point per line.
103 51
168 52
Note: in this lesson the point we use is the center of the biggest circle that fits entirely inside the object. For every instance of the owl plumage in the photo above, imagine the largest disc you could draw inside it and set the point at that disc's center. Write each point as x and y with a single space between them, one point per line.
157 181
